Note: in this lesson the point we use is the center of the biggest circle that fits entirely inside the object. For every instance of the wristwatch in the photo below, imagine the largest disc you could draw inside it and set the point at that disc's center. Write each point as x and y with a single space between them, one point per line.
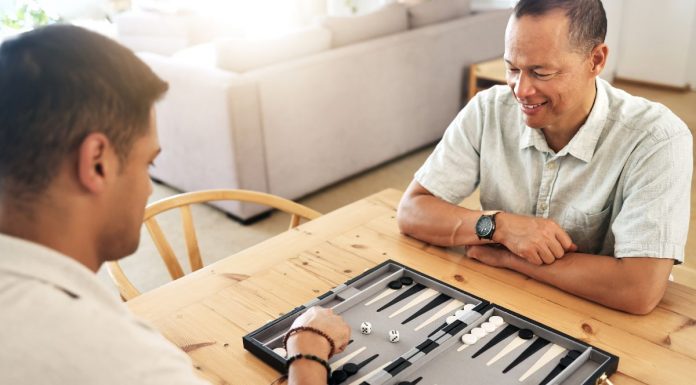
485 226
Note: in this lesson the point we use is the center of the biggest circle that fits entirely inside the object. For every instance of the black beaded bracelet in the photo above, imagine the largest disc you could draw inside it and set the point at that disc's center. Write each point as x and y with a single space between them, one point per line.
313 358
298 329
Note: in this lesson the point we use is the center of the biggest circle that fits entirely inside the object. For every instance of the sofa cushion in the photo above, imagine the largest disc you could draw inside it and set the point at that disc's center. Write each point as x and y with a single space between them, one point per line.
239 54
436 11
346 30
202 55
148 24
155 44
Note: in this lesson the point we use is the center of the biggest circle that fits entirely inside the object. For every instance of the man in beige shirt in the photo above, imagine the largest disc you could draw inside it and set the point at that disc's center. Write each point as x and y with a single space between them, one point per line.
583 186
77 136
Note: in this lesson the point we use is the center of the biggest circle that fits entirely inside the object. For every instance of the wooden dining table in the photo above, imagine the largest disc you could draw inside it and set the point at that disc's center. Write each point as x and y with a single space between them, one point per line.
207 313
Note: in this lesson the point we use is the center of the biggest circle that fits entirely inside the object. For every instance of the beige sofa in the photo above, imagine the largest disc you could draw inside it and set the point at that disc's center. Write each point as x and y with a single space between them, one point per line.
302 122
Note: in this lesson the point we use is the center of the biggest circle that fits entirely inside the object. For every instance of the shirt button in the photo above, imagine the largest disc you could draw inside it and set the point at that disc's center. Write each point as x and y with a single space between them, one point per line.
543 206
551 165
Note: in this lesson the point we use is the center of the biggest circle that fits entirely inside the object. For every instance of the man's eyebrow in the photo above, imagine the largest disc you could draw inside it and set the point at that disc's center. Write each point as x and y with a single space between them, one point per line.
532 67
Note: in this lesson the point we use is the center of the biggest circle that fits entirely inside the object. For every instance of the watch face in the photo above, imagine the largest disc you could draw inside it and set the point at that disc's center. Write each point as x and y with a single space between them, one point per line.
484 226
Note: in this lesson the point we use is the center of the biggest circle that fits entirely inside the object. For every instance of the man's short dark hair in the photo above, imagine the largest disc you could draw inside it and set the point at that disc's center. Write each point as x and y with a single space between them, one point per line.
57 85
588 21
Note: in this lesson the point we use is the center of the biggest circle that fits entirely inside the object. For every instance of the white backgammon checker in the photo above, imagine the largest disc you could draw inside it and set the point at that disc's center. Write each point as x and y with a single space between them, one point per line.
481 331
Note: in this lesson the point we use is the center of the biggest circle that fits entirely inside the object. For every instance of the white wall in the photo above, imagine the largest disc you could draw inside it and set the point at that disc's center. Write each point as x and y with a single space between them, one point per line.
655 40
614 10
691 69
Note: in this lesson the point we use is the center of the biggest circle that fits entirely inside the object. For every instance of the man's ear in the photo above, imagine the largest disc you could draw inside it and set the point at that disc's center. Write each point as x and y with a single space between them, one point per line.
598 58
95 162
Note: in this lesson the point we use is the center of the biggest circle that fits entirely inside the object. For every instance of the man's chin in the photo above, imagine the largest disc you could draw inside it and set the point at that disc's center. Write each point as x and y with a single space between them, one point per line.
534 123
131 248
125 249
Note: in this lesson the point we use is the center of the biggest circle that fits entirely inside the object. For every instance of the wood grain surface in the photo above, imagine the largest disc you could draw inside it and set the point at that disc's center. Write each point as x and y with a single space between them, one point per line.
207 313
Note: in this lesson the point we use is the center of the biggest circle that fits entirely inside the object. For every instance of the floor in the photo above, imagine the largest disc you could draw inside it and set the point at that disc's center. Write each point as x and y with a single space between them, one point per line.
220 237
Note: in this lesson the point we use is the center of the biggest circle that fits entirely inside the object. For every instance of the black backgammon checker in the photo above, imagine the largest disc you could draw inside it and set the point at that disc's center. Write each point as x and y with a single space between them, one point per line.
446 336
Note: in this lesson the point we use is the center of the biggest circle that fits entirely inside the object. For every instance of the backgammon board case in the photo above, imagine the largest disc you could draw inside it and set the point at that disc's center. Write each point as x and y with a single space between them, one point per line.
409 328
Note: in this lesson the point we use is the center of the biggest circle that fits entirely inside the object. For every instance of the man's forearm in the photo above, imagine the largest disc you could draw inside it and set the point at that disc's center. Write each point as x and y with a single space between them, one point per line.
437 222
430 219
634 285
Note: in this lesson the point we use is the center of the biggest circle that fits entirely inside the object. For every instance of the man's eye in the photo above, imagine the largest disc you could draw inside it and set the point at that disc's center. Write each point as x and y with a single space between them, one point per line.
542 76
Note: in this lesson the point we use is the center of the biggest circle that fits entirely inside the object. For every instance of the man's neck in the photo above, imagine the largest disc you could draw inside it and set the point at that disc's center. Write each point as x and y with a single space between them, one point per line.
50 227
558 137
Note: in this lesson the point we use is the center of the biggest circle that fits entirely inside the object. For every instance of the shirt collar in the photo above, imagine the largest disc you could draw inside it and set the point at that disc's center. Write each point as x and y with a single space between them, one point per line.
40 263
584 143
533 138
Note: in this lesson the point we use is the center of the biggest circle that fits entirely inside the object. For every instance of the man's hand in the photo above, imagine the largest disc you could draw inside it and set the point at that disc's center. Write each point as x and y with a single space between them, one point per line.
537 240
328 322
308 372
496 256
428 218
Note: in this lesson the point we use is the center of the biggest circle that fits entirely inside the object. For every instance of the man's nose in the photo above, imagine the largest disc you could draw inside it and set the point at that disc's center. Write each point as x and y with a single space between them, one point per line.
524 87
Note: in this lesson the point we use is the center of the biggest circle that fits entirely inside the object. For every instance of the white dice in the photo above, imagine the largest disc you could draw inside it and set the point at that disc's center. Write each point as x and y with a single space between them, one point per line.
365 328
394 335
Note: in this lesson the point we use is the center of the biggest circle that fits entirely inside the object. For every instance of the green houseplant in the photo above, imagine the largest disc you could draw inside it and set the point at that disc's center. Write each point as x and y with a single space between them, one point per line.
27 14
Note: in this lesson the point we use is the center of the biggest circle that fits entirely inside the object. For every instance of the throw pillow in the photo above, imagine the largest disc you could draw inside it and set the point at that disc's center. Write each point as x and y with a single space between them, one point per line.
346 30
437 11
239 54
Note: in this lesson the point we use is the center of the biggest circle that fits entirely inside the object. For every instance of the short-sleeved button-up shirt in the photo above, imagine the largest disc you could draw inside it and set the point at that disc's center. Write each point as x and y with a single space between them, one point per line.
620 187
59 325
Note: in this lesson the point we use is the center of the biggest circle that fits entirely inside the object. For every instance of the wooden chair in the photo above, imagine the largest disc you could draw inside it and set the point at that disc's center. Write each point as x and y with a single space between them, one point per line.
184 201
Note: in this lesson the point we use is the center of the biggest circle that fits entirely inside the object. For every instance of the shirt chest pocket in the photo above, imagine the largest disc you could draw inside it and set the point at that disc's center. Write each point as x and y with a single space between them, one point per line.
588 231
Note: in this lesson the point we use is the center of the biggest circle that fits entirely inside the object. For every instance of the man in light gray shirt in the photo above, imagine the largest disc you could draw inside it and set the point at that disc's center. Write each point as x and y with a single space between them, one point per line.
582 185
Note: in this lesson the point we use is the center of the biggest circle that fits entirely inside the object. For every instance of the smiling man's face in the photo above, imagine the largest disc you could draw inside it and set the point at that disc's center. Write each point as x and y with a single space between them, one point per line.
551 80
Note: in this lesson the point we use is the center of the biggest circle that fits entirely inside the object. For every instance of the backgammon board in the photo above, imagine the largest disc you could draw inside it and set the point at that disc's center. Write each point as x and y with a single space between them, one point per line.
408 329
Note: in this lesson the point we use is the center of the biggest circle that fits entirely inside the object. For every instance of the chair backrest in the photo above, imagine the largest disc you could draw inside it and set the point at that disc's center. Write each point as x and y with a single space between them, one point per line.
183 202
